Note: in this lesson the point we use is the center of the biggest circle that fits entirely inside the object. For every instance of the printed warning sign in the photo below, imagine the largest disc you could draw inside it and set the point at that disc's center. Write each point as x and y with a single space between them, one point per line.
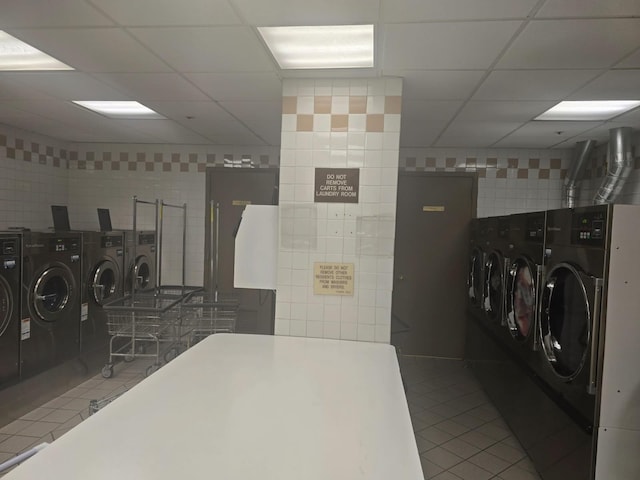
337 185
333 278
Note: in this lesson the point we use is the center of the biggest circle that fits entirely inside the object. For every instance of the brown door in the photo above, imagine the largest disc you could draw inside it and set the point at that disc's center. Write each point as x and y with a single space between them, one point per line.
430 265
228 191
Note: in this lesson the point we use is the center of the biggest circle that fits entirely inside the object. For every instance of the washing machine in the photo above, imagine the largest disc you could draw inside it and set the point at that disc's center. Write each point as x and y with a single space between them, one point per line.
10 262
495 270
524 280
50 305
102 281
140 261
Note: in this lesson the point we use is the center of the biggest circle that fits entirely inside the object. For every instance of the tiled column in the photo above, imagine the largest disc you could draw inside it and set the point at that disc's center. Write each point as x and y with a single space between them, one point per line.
338 124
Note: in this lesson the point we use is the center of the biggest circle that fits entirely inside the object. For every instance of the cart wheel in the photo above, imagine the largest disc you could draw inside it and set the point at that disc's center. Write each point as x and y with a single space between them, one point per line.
129 358
151 369
107 371
171 354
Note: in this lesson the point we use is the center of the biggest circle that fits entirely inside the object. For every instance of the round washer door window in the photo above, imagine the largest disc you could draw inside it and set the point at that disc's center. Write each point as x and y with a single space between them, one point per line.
522 314
6 305
143 273
494 286
52 293
565 326
105 282
475 276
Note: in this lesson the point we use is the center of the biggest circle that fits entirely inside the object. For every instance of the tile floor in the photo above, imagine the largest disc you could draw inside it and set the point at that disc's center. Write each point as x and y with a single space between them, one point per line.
460 435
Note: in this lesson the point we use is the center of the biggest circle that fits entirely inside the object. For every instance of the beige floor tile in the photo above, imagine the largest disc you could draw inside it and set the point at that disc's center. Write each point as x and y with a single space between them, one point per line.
15 444
59 416
38 429
15 427
37 414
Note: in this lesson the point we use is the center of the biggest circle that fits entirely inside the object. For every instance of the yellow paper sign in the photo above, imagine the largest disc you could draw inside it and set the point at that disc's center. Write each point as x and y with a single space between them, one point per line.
333 278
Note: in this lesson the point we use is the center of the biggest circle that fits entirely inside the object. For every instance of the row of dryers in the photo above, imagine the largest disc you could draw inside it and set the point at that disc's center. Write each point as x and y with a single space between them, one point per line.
558 291
52 288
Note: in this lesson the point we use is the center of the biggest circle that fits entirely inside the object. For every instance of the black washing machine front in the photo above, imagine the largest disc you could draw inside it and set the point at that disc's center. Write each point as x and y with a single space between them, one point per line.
50 314
140 265
9 309
103 255
475 274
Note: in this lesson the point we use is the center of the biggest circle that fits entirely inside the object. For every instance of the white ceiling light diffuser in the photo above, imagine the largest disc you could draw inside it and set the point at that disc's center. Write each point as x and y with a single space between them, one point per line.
588 110
15 55
120 109
336 46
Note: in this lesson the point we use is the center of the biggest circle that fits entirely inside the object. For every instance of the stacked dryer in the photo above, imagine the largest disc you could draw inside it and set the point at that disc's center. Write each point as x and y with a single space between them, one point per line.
103 267
524 280
140 261
50 304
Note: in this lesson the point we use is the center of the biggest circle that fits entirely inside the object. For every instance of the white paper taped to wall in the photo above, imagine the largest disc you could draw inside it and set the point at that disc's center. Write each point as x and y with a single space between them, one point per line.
256 251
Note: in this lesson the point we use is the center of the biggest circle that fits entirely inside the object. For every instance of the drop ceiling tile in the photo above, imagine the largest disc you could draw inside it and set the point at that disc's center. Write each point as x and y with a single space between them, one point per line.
419 134
613 85
632 61
429 111
475 134
307 12
10 89
60 13
437 84
207 49
600 134
169 12
538 134
263 118
153 86
567 44
94 50
66 85
167 131
233 86
502 111
532 84
630 119
206 118
589 8
463 45
435 10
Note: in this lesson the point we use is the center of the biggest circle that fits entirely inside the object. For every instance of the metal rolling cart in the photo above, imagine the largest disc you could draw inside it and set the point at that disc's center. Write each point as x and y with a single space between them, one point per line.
205 314
154 318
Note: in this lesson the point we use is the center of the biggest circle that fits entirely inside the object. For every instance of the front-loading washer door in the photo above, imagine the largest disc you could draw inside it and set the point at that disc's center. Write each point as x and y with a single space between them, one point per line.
565 321
474 282
105 282
144 274
493 298
52 293
522 303
6 305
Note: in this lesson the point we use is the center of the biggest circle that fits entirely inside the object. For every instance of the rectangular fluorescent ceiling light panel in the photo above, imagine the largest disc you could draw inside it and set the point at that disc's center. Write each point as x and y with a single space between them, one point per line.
336 46
588 110
15 55
128 109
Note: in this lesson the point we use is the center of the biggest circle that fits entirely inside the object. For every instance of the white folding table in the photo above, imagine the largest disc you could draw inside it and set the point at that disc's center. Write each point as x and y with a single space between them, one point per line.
248 407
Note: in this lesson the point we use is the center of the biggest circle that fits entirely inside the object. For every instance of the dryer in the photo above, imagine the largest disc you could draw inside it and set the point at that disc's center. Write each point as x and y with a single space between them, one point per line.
524 279
9 308
102 281
496 262
50 305
140 261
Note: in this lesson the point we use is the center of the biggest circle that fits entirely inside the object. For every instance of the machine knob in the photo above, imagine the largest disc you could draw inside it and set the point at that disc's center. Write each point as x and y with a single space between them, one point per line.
75 258
9 264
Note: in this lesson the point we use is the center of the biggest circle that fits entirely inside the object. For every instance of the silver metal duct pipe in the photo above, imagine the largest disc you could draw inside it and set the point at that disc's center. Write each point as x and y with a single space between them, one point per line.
619 165
582 152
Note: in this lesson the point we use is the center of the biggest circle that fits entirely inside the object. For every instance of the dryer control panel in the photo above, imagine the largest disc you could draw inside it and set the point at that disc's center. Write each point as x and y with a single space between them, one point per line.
110 241
63 245
535 228
146 239
589 228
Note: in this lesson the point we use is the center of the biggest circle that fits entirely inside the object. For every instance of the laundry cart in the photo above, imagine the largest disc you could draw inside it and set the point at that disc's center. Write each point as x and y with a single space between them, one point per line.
204 314
144 325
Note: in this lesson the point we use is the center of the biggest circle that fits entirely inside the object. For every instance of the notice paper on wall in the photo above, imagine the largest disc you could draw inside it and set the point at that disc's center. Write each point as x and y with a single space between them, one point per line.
256 251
